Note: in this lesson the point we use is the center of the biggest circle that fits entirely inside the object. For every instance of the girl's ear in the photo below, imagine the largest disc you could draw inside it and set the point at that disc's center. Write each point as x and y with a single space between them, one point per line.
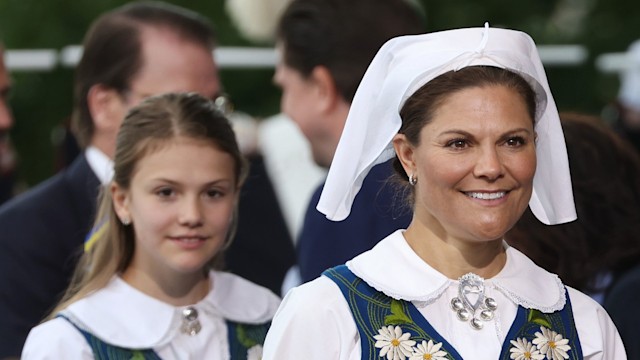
120 198
405 152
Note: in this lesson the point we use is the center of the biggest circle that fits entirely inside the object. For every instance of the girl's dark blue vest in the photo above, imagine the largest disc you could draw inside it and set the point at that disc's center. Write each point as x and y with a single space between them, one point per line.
241 338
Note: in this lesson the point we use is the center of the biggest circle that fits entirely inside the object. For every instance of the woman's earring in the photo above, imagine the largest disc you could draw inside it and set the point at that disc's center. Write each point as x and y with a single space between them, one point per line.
413 180
126 221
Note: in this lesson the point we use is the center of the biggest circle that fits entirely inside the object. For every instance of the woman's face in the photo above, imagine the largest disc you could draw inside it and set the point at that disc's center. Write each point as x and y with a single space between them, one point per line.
474 164
180 203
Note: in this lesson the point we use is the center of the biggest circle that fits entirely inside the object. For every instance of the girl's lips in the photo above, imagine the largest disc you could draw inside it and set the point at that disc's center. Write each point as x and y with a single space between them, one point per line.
189 242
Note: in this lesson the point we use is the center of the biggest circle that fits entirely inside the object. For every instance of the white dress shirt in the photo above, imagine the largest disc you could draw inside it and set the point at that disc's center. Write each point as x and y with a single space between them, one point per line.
100 163
314 320
123 316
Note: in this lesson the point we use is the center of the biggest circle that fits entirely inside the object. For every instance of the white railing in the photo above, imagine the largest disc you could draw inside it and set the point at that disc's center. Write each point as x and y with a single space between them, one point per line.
242 57
48 59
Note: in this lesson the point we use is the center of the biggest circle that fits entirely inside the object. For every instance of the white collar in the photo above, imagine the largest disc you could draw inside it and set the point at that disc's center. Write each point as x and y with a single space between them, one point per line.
131 319
394 269
100 163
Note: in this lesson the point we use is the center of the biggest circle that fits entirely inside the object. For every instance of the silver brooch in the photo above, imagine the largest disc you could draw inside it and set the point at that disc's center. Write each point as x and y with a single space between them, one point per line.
190 323
471 304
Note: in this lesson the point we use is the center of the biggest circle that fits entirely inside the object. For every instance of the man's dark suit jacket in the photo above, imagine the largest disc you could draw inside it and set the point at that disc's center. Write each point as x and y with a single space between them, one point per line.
42 234
376 212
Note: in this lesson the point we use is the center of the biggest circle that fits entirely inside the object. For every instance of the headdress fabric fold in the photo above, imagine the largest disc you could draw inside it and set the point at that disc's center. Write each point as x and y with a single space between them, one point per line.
402 66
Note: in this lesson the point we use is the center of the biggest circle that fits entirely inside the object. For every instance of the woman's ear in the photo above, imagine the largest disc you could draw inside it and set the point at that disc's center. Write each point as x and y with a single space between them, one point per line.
120 198
405 152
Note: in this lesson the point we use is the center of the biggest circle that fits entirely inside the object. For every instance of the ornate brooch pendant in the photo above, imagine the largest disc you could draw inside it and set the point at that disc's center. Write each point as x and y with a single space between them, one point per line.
471 304
190 323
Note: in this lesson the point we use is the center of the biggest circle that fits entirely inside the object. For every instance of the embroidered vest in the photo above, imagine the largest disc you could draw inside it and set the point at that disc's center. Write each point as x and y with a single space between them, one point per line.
374 311
241 337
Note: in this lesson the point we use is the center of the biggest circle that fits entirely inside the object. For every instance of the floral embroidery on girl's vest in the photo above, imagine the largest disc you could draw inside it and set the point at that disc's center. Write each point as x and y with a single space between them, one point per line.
255 353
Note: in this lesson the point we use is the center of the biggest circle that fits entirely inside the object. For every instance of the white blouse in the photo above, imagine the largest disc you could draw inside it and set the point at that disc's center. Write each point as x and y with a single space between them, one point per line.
123 316
314 320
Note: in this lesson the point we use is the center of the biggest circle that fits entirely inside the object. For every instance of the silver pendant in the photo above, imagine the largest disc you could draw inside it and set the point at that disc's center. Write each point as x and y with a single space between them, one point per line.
190 323
471 304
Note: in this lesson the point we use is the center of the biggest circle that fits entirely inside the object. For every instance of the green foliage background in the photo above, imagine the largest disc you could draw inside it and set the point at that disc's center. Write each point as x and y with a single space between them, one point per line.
42 100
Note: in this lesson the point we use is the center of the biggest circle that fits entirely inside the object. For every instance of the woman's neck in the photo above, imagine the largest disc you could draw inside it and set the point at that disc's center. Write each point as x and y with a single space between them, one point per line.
174 289
455 257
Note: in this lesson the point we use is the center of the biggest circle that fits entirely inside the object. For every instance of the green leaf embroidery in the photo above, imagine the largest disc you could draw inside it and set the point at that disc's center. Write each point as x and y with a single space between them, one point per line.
398 315
537 317
137 355
243 339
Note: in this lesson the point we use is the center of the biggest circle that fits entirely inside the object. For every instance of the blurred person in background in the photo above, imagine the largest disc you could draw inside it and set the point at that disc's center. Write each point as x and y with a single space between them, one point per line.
133 52
289 166
624 113
7 153
324 48
596 253
590 253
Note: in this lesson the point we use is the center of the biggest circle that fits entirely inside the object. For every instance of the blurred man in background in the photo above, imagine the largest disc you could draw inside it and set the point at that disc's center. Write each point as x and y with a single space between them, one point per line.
325 47
7 154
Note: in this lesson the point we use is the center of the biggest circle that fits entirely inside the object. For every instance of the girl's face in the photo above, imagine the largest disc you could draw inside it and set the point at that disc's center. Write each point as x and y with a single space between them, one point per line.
180 203
474 165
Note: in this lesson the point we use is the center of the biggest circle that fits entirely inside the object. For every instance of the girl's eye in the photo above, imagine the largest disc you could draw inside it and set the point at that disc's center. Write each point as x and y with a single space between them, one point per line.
215 193
165 192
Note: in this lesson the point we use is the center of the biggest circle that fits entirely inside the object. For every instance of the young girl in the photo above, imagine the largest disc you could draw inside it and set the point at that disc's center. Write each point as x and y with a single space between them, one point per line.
147 289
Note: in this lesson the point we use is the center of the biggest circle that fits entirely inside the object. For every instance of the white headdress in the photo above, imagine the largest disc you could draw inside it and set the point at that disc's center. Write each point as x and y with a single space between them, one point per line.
406 63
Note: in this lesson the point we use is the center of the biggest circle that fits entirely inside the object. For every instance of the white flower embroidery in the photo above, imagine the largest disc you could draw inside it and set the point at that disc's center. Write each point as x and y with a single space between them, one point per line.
393 343
428 351
254 353
552 344
524 350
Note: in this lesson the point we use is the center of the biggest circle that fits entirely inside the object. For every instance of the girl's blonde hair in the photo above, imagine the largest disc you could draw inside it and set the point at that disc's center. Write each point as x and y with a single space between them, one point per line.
146 128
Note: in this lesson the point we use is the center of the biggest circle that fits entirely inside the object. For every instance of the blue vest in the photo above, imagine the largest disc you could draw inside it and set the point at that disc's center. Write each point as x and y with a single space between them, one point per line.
373 310
241 338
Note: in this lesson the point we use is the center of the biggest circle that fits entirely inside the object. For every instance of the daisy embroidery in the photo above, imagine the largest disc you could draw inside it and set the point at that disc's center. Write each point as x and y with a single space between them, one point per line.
428 351
393 343
254 353
551 344
522 349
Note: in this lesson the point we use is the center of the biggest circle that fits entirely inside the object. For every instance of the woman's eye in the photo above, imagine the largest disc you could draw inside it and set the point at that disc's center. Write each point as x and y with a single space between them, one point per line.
516 141
457 143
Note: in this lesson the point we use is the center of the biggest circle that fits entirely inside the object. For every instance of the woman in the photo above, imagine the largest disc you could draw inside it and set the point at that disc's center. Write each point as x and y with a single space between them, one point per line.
470 118
147 288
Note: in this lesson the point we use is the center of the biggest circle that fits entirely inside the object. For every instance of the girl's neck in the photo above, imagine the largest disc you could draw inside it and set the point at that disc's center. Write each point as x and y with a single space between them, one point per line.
174 289
454 257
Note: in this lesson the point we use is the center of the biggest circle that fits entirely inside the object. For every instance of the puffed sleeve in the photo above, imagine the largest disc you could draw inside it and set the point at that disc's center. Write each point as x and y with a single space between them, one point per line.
598 335
313 322
56 339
